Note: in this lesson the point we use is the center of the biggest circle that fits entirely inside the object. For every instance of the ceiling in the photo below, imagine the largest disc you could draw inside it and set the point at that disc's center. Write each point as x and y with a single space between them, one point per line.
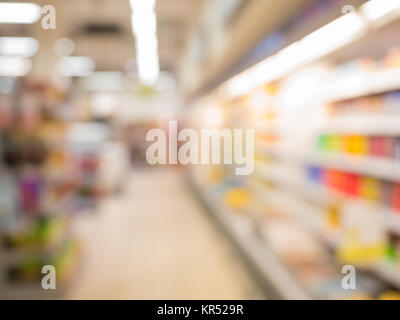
101 29
253 20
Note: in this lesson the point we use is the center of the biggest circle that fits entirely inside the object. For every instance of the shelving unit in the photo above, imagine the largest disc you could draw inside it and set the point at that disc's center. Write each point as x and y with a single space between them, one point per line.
378 167
275 276
310 217
34 159
385 169
289 111
362 85
295 182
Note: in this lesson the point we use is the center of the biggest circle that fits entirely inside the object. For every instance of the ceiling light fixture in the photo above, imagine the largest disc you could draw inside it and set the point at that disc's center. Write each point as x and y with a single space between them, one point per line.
331 37
15 66
19 12
18 46
144 27
376 9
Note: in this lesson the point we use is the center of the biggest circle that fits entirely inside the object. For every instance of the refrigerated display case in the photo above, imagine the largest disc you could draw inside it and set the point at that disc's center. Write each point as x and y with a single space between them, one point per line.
324 194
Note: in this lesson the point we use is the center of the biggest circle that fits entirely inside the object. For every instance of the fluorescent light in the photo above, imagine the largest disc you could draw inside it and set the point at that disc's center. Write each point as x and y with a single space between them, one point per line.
376 9
18 46
19 12
144 27
141 5
75 66
14 66
104 81
331 37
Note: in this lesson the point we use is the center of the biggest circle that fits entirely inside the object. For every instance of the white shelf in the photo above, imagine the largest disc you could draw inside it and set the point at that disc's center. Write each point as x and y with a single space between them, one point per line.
360 85
291 182
307 215
294 181
375 167
262 257
365 124
385 169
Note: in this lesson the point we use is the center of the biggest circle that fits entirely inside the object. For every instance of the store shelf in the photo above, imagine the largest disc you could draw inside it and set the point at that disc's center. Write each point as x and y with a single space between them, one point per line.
349 90
365 124
381 168
371 123
303 213
360 85
262 258
295 182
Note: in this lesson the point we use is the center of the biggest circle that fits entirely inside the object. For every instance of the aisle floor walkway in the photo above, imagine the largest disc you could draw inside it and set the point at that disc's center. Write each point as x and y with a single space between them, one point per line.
154 241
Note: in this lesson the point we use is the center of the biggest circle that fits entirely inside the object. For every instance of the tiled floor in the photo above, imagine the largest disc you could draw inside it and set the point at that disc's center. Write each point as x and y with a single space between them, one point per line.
155 242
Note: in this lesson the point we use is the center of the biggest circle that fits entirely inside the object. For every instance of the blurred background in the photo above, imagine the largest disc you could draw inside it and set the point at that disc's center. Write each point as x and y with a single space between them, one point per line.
82 82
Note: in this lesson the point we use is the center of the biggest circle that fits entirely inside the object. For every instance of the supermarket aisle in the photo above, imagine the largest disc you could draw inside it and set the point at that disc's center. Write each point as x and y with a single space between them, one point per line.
154 242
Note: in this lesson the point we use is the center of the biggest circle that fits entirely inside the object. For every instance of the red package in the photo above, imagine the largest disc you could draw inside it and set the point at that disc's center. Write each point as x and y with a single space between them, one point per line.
396 197
380 146
352 184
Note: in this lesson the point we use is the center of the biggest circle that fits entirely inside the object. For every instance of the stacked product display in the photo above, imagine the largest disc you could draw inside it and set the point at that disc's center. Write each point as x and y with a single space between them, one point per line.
325 193
51 166
34 224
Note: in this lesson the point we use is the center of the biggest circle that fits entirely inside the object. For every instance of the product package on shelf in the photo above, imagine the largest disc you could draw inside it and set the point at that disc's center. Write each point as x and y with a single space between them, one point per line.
324 193
34 226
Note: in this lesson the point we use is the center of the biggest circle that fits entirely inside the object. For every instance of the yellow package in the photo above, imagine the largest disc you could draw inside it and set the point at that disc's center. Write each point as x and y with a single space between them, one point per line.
237 198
